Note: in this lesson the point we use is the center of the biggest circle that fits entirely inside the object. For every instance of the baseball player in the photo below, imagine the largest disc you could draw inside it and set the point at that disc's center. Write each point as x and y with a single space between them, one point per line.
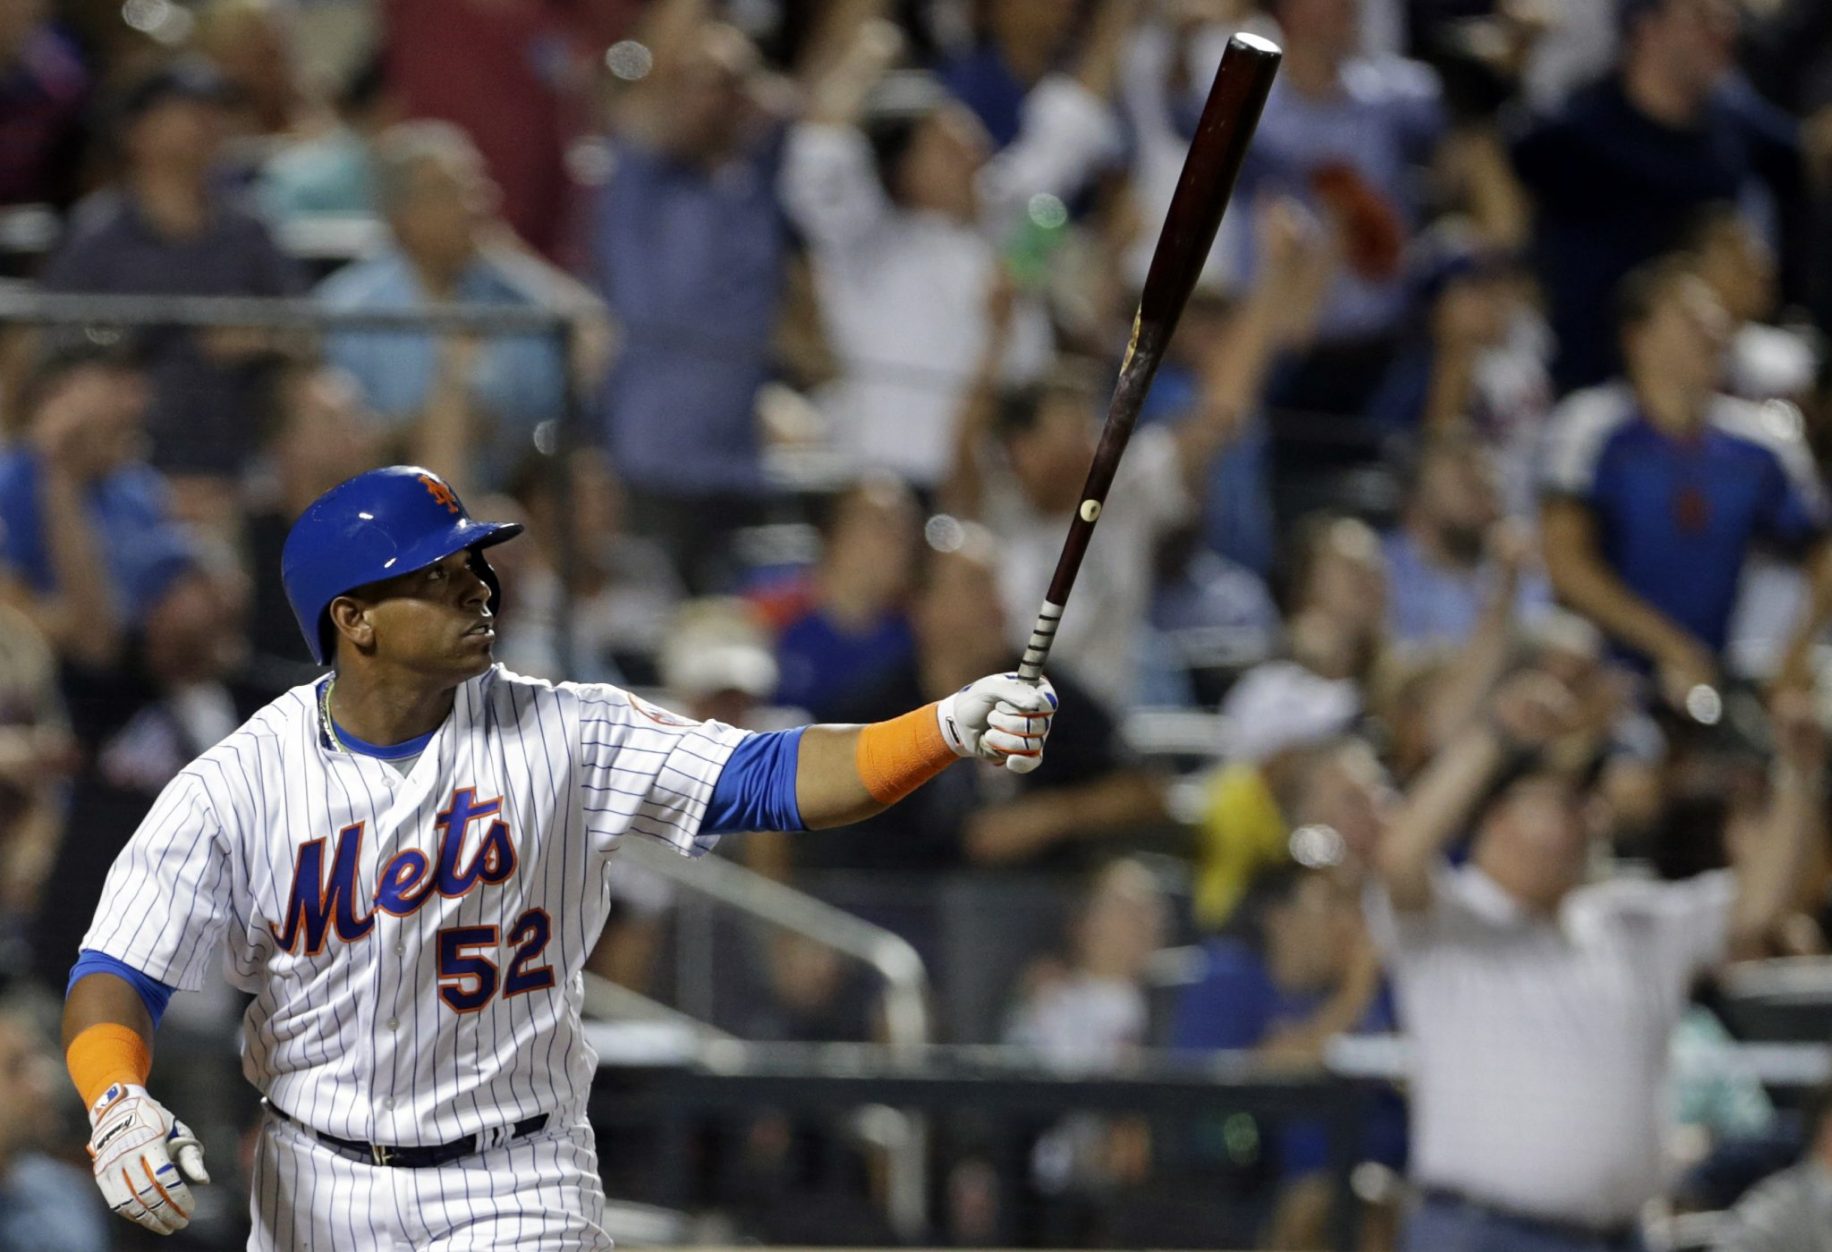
405 864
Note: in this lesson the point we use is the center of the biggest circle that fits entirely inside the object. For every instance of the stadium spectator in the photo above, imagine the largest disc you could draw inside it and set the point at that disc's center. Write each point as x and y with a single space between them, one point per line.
1764 362
1252 805
1345 791
318 434
1442 566
331 171
44 92
1296 971
1210 619
853 626
1349 135
173 694
1018 42
36 753
907 213
1335 632
1236 497
86 527
1792 1211
1088 1010
467 403
167 229
1046 434
512 74
1724 1123
1618 169
624 591
1088 1005
250 42
689 248
1165 73
1284 721
1657 488
1477 358
45 1204
970 817
1540 1003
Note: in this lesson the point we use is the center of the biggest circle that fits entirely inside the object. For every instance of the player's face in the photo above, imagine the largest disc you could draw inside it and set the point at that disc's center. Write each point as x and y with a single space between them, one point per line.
434 622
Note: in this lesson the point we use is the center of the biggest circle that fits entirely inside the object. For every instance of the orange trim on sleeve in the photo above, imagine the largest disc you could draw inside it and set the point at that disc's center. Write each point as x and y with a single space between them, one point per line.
896 757
105 1054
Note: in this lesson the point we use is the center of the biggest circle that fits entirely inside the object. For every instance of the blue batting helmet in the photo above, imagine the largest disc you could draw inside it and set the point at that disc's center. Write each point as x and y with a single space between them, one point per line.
374 526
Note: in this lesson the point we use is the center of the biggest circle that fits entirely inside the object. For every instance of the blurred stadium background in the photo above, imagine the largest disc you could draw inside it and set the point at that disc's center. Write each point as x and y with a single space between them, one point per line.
784 324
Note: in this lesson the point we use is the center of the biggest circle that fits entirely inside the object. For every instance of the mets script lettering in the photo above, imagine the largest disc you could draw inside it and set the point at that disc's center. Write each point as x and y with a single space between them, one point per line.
319 903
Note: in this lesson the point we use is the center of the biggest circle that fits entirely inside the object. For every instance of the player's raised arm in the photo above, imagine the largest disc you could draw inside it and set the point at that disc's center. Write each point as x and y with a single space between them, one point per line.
846 774
814 777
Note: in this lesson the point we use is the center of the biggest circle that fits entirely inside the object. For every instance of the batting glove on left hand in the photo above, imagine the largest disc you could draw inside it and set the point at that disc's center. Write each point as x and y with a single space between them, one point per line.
1000 718
133 1143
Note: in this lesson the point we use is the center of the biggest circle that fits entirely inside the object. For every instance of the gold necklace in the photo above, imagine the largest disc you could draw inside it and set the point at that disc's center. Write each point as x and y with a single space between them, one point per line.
324 713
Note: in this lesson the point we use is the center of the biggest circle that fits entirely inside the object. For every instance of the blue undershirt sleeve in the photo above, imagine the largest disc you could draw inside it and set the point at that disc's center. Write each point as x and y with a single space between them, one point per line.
756 789
153 993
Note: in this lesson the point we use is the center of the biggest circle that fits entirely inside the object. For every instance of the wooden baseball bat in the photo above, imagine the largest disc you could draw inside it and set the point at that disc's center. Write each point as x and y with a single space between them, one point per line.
1248 66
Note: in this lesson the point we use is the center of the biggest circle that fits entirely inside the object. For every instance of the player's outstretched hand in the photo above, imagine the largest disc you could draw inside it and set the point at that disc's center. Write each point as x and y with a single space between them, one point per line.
143 1158
1000 718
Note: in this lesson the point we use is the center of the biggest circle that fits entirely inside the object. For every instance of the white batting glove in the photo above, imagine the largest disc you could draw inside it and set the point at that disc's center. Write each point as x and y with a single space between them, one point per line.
1000 718
133 1142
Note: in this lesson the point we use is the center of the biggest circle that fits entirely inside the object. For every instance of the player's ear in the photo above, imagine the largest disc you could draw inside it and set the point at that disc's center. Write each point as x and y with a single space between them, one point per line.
352 619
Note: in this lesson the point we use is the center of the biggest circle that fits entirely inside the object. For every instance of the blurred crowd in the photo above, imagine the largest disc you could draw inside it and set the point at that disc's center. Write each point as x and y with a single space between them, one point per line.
1481 501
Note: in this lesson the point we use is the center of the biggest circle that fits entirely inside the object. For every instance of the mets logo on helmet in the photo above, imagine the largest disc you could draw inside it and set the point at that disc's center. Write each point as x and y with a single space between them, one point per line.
438 490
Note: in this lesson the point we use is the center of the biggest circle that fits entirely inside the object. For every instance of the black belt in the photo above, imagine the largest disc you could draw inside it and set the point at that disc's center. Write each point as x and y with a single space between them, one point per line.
1625 1237
415 1158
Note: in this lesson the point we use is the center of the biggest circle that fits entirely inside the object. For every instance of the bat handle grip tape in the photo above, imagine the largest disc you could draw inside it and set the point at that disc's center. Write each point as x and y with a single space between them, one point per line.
1043 634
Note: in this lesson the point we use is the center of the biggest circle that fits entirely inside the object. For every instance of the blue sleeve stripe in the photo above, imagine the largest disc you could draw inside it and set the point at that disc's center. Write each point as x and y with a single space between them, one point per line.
756 789
153 993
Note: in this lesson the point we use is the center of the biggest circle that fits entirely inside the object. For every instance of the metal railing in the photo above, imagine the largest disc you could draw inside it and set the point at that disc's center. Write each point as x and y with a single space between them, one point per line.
714 881
609 1001
736 1078
905 979
24 303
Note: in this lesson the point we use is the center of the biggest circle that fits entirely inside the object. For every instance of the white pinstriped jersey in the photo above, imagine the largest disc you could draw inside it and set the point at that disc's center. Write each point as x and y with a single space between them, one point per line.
413 942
